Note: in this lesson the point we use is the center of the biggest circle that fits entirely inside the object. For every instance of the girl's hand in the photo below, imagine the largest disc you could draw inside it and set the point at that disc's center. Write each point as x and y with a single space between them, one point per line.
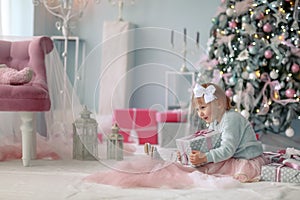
178 156
197 157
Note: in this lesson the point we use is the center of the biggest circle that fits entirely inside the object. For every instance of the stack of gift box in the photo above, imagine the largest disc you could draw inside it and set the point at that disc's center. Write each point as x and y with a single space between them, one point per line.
284 166
137 125
151 126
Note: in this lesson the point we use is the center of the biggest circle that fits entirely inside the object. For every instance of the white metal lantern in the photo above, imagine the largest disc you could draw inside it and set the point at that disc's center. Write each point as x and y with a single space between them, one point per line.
115 144
85 141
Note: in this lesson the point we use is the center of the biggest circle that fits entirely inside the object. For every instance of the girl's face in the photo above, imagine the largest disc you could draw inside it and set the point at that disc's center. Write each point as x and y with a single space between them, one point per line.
206 111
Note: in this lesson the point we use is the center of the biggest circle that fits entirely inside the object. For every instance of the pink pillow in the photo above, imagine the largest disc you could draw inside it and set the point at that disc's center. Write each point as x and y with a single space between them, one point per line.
12 76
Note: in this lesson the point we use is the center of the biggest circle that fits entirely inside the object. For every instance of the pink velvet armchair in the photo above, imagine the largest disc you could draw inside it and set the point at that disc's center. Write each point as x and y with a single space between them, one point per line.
30 97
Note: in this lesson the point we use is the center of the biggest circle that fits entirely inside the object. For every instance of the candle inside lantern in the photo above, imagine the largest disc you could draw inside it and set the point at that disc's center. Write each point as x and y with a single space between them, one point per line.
184 35
197 38
172 38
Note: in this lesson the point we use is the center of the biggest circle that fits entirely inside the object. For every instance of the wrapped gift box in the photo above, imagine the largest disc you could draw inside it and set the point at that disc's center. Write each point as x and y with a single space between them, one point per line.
141 122
171 116
203 141
276 172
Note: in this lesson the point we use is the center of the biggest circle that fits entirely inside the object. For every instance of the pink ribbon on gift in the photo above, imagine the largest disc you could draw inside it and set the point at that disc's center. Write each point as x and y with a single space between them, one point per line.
278 172
184 156
279 166
202 133
292 165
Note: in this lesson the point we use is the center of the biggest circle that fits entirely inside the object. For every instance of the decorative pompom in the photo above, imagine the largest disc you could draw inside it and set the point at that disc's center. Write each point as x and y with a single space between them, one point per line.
289 132
274 74
236 98
245 113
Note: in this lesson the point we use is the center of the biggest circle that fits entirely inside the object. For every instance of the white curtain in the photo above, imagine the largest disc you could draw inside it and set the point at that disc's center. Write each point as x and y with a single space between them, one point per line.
5 17
16 18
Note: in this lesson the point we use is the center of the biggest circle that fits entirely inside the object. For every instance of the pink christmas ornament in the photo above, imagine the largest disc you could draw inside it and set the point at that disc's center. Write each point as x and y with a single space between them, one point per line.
260 15
290 93
267 28
229 92
268 54
295 68
232 24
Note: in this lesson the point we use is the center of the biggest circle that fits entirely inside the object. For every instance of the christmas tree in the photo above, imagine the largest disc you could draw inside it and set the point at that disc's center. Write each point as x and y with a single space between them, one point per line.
254 51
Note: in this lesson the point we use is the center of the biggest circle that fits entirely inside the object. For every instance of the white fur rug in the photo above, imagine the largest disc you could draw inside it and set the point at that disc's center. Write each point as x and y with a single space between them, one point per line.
62 179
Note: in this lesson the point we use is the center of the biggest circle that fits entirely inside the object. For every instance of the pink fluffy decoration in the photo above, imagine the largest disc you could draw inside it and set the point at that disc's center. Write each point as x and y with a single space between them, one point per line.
147 172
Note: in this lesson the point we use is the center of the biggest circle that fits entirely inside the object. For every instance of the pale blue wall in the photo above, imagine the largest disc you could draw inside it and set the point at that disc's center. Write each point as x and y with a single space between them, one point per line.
154 19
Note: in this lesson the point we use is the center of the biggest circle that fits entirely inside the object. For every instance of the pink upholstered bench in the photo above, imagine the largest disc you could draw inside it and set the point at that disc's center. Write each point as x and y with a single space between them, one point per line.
30 97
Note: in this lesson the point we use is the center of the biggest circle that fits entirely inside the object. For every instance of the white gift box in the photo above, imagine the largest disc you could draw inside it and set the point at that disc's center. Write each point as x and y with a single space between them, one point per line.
203 141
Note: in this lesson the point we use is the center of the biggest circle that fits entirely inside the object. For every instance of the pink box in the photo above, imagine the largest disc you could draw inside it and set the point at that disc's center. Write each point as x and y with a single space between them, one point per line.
171 116
142 121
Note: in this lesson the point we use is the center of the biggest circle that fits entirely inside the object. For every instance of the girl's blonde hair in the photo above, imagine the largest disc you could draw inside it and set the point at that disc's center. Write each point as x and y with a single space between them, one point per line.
219 93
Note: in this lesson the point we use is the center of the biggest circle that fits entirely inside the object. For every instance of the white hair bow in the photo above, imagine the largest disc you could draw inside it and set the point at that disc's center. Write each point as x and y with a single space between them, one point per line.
207 93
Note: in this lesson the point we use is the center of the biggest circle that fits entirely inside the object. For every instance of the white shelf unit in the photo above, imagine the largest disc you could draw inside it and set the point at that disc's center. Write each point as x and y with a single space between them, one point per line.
178 89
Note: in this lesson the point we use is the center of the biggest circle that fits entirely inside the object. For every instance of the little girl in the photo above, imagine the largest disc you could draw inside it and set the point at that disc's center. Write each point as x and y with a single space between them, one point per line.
238 159
240 154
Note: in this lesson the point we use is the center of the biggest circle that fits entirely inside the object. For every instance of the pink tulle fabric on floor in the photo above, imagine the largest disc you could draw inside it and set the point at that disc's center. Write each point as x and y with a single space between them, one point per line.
14 151
147 172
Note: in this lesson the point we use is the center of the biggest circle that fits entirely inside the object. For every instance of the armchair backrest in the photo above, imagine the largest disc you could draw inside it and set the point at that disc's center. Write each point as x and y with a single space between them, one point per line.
28 53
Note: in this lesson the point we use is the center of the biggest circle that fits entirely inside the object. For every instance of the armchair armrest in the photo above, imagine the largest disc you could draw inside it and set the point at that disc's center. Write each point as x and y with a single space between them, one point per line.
37 50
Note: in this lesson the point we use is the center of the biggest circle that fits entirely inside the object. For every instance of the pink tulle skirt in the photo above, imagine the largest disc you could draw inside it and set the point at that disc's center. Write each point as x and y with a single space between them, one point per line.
147 172
240 169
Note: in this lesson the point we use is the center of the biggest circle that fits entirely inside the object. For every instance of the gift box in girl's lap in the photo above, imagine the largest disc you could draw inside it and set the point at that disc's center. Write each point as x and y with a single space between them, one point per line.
141 122
203 141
